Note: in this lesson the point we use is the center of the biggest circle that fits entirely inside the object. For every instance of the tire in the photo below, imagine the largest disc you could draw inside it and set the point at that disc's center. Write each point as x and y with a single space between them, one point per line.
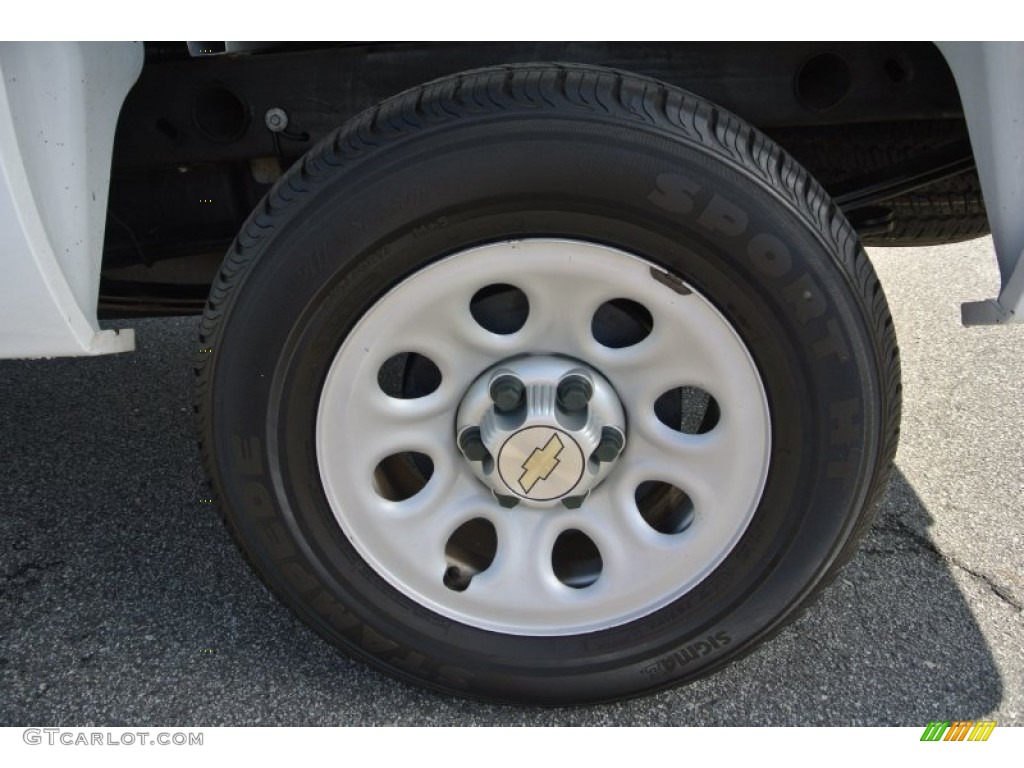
523 221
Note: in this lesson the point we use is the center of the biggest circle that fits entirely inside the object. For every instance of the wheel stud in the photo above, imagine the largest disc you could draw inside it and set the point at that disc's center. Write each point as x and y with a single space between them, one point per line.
472 446
574 391
506 392
610 446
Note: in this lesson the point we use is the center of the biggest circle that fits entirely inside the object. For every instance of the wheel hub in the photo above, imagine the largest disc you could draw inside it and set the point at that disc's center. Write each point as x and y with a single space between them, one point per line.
541 430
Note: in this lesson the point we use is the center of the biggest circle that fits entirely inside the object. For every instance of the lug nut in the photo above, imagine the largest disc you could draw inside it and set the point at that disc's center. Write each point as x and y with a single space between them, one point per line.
574 391
610 446
506 392
472 446
574 502
506 501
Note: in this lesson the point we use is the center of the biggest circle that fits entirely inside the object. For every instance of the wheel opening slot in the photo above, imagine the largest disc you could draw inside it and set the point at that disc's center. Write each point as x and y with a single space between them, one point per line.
664 507
620 323
576 559
470 550
408 375
689 410
500 308
401 476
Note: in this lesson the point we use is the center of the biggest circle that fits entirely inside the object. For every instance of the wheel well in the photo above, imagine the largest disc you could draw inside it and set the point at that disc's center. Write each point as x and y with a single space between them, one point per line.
201 139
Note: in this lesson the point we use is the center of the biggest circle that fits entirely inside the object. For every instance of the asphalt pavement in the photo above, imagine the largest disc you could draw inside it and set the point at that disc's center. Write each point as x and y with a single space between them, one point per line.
115 577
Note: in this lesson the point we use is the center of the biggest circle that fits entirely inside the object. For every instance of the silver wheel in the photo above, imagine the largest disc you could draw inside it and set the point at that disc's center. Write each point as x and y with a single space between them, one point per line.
622 530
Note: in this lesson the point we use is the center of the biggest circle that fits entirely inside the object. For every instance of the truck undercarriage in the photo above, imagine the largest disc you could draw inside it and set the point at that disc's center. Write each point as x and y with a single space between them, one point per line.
200 140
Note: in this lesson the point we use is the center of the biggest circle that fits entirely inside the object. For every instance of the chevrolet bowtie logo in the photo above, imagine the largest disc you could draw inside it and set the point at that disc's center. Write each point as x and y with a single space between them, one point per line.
541 464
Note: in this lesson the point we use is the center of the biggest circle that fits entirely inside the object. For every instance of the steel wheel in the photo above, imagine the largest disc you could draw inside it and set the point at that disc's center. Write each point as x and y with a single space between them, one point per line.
633 560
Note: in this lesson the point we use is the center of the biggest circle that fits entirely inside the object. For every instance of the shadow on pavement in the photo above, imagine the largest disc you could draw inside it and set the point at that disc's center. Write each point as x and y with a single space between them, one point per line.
123 601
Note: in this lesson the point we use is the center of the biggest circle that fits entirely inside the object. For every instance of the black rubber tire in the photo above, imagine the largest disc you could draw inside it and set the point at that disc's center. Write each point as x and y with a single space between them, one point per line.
573 152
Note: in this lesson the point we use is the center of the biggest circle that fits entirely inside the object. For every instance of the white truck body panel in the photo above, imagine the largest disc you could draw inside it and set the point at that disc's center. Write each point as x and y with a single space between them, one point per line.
990 77
59 104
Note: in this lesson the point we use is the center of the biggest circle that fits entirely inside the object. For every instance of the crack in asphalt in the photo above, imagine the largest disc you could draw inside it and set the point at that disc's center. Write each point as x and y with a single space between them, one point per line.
924 544
998 589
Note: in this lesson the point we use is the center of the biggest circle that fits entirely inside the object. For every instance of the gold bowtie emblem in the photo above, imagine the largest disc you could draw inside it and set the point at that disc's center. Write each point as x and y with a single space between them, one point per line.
540 464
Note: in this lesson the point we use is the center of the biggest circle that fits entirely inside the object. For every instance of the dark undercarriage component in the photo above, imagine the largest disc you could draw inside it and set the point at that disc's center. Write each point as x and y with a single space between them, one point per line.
903 177
201 140
902 184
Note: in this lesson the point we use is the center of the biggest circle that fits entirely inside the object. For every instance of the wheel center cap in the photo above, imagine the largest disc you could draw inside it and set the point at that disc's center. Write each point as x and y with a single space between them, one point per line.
541 430
541 463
